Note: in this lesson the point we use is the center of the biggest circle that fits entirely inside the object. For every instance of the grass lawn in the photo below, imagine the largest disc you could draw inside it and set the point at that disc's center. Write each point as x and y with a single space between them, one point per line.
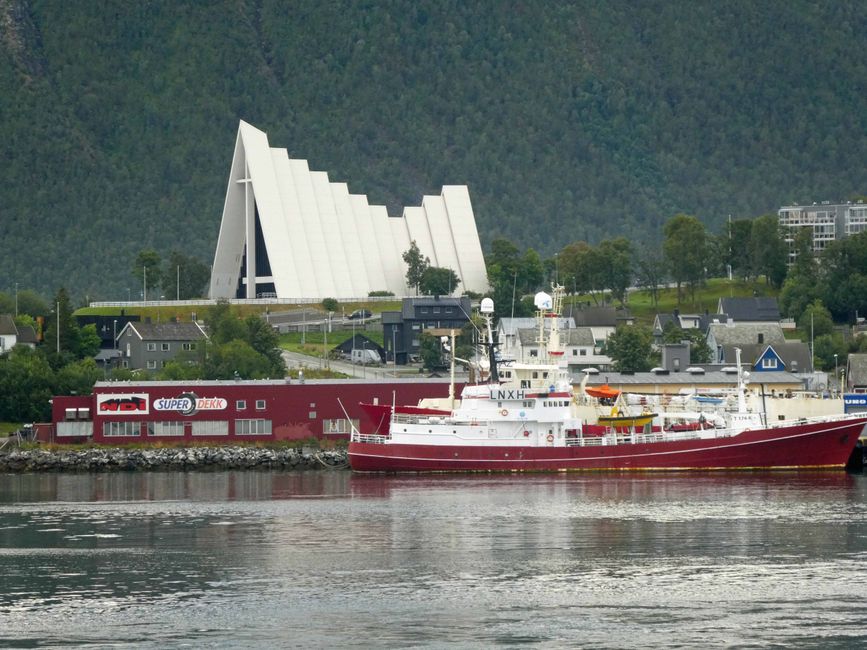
315 341
706 298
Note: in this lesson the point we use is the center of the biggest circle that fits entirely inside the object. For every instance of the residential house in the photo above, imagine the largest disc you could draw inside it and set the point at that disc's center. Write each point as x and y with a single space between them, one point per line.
148 346
507 332
359 342
750 310
793 356
684 322
402 329
12 334
602 320
722 338
580 350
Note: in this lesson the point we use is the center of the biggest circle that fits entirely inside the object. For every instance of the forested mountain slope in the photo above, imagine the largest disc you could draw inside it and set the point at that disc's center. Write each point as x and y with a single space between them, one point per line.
579 121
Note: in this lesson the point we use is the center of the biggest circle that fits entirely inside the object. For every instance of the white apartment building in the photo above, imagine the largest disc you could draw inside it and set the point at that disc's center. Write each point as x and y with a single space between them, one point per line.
827 222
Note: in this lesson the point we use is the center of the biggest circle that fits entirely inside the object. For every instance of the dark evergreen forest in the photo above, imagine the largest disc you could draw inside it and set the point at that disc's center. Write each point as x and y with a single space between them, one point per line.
568 121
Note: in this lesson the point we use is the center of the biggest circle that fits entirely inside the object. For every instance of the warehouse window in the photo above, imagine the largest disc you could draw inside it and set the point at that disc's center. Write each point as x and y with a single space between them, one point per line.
253 427
240 404
260 405
165 428
166 347
152 347
341 425
210 428
121 429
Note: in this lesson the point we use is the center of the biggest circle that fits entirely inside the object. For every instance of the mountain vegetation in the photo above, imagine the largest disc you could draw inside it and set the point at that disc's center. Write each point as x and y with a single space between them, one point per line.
580 121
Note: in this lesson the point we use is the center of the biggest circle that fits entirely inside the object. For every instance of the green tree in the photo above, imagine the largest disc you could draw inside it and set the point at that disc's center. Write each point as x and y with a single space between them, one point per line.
649 272
430 351
436 281
69 332
815 321
88 342
264 340
630 348
824 349
179 369
183 277
503 264
615 256
146 268
801 286
530 271
224 324
236 360
739 236
843 277
416 263
77 378
26 386
685 251
768 250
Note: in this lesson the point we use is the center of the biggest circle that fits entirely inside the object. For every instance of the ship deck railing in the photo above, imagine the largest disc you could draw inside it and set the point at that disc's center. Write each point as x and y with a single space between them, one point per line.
375 438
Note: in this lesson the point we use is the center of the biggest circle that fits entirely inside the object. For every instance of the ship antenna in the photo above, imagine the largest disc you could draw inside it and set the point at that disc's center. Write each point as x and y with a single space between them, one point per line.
487 309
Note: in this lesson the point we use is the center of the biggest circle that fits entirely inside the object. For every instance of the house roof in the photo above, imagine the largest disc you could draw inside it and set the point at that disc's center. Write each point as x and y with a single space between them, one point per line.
463 303
578 336
857 375
795 354
7 325
709 378
168 331
750 309
742 334
107 355
599 316
361 342
26 334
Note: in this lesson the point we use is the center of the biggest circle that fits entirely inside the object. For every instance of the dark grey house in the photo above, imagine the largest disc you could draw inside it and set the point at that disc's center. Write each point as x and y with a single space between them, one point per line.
402 329
750 310
148 346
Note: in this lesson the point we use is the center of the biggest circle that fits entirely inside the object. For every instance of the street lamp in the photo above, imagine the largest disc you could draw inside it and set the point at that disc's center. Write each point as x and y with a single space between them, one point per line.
835 373
16 300
114 331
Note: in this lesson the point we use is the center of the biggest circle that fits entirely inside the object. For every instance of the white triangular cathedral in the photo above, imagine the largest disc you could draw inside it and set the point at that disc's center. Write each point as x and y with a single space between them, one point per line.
291 233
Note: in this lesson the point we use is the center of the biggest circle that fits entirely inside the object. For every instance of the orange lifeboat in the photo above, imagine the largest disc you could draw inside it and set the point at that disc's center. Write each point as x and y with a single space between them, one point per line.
602 392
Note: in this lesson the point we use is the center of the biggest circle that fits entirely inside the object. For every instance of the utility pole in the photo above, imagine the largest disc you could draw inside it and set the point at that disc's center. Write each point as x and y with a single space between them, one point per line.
16 300
144 293
58 327
179 283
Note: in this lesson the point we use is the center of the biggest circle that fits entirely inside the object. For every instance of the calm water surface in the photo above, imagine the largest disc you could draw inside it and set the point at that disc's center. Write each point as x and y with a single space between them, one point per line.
329 559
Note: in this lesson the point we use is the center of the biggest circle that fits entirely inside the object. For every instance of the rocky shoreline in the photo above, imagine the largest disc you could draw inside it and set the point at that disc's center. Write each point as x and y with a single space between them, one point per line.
119 459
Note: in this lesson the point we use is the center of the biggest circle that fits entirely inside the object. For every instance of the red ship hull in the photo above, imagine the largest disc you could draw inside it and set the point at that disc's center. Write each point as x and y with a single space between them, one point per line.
810 445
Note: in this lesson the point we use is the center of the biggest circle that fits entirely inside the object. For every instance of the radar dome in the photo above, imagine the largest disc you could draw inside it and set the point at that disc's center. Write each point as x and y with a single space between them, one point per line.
542 300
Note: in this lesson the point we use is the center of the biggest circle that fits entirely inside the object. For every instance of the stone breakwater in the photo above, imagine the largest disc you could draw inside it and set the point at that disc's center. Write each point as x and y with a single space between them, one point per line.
169 458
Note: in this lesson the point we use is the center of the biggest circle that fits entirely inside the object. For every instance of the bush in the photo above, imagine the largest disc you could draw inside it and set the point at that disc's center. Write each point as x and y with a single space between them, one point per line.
330 304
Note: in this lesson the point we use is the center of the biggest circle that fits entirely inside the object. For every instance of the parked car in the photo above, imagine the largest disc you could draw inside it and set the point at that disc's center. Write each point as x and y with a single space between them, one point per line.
360 313
366 357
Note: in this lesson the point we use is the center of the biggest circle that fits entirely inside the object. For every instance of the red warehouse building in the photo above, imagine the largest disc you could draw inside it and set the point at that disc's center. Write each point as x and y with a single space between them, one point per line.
221 411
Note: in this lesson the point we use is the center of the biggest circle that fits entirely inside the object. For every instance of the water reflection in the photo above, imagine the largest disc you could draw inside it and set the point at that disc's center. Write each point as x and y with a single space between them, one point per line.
331 558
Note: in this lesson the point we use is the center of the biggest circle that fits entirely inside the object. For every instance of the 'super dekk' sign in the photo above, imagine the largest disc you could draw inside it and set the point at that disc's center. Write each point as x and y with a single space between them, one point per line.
190 403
